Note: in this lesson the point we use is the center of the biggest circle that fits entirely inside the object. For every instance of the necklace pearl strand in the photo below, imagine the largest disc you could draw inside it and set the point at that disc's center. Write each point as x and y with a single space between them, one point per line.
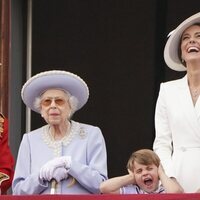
56 145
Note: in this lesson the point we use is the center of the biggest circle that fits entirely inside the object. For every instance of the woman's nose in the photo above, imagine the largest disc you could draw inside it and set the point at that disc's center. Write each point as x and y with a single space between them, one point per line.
53 103
192 41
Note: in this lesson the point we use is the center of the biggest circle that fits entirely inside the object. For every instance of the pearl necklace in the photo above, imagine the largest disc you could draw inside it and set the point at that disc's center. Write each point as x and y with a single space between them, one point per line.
56 145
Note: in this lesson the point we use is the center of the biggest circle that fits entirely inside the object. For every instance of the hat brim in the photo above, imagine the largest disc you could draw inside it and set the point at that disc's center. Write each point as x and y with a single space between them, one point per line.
171 48
43 81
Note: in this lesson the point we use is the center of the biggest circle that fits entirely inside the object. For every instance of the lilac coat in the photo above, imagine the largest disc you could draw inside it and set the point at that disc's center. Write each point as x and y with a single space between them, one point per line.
86 146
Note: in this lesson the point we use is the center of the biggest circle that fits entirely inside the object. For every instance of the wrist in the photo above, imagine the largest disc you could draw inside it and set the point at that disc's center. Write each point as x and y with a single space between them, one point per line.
130 179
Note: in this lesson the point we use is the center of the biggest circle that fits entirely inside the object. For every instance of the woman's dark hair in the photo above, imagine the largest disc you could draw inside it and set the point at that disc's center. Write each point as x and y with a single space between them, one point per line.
179 46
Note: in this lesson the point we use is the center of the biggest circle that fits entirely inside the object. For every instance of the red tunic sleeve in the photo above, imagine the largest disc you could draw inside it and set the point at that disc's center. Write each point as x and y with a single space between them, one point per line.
6 160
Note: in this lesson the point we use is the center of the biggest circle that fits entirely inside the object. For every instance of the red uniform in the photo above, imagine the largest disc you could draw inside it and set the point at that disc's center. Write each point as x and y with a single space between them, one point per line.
6 158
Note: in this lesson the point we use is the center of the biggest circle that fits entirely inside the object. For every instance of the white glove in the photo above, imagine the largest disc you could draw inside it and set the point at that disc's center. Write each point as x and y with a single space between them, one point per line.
47 170
60 173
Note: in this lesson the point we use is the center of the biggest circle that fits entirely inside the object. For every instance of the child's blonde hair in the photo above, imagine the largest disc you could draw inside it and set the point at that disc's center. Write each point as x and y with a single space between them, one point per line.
144 157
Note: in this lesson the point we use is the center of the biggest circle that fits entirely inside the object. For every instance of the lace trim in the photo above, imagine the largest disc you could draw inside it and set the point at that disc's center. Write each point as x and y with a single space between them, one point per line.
56 145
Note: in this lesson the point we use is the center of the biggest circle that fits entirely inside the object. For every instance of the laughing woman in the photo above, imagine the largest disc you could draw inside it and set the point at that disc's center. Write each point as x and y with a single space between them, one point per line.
177 117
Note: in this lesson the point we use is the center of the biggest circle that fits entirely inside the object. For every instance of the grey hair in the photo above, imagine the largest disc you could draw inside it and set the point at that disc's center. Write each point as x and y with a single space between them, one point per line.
73 102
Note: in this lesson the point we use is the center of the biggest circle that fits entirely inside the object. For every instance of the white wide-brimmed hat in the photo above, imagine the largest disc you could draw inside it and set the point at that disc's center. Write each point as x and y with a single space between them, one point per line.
54 79
171 48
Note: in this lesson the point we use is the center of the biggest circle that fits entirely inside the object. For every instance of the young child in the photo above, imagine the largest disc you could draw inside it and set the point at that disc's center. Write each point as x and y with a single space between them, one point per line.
145 176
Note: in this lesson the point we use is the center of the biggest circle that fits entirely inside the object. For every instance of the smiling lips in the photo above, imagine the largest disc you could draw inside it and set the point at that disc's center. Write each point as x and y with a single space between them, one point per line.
193 49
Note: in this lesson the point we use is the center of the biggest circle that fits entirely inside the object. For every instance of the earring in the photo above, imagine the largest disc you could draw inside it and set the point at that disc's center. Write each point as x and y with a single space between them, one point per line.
69 116
182 60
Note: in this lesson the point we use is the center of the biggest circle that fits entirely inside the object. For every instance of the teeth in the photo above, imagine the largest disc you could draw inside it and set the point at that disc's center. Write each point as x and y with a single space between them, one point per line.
193 49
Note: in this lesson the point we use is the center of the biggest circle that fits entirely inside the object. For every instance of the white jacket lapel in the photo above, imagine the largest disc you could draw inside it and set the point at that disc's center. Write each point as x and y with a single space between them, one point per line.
191 112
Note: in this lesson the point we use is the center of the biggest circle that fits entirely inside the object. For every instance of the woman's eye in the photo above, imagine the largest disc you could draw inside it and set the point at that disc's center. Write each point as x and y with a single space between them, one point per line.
185 37
46 102
60 101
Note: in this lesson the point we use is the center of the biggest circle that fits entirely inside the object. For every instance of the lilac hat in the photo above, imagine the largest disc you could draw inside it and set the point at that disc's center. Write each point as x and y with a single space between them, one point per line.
171 48
64 80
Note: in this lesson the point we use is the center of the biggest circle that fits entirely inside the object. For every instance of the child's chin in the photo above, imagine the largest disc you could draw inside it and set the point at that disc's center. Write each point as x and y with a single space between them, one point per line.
148 190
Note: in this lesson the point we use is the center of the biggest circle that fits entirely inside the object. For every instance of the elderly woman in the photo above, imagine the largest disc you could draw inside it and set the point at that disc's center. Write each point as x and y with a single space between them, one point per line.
177 117
64 156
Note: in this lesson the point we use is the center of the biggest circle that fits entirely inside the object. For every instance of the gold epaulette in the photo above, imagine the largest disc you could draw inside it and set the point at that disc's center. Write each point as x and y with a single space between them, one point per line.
1 123
3 177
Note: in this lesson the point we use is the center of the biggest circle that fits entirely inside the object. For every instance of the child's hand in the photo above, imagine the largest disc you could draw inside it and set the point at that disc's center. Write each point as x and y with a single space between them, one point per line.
198 191
131 174
161 170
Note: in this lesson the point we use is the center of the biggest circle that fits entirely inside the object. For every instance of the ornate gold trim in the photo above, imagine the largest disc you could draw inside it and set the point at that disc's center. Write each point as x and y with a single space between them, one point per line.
1 124
3 177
